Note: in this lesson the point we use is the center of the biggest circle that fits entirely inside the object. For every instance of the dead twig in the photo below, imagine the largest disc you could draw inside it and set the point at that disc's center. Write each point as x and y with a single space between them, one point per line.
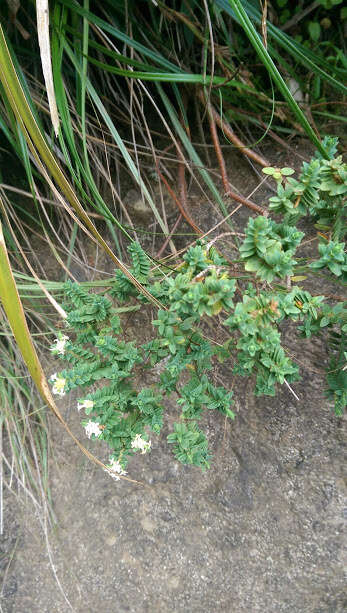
230 134
179 204
248 203
170 235
299 16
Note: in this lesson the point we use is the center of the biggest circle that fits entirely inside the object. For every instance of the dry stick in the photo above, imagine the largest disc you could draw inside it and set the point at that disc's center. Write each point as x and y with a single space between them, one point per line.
218 150
294 20
273 135
169 236
183 196
229 133
177 201
221 162
182 184
201 131
26 194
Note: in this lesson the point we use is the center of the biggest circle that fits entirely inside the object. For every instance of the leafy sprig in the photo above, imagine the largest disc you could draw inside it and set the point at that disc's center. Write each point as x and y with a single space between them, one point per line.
201 289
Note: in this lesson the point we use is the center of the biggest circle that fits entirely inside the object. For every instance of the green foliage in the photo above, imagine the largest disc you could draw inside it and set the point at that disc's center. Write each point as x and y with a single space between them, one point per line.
333 256
190 445
283 202
329 4
320 191
269 248
122 287
149 404
306 189
118 412
141 263
96 355
315 31
326 317
330 144
259 344
334 177
198 291
96 310
278 173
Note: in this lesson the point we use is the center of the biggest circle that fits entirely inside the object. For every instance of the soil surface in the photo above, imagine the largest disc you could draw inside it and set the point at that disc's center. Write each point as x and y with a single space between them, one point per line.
261 531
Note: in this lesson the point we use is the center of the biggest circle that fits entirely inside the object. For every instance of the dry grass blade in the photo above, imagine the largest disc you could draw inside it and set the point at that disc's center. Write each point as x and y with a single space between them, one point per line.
42 13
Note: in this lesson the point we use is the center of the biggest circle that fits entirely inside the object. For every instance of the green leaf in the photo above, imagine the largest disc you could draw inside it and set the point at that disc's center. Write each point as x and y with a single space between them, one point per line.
314 30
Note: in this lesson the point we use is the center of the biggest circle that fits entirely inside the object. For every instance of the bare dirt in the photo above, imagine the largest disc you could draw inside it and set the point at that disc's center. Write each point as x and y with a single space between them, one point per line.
262 530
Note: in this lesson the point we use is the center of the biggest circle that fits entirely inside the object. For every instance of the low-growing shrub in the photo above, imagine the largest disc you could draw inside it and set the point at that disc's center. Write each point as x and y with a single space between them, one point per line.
249 308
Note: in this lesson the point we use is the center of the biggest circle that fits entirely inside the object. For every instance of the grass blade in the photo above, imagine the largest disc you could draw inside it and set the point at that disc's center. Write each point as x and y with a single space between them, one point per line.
43 155
42 13
302 54
263 54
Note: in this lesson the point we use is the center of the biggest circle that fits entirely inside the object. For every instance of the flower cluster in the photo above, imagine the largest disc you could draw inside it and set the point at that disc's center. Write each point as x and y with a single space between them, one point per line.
140 443
59 346
93 427
114 468
87 405
58 385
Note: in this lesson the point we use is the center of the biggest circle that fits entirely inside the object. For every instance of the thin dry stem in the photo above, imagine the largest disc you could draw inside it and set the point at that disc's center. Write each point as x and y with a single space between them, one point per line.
230 134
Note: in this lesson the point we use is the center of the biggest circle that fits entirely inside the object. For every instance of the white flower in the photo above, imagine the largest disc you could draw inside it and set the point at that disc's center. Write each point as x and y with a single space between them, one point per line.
140 443
60 343
59 384
85 404
114 467
93 427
